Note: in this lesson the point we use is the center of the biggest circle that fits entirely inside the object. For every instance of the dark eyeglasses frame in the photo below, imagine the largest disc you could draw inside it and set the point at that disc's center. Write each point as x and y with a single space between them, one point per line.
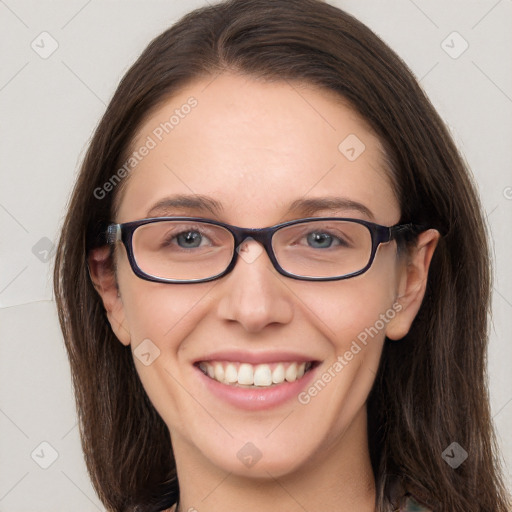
379 235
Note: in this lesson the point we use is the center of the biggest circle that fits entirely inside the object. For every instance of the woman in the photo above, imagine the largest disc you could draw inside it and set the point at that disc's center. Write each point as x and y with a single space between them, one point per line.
279 296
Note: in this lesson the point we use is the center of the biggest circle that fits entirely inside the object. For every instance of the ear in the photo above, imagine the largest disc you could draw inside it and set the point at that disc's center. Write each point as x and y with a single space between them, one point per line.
101 270
412 284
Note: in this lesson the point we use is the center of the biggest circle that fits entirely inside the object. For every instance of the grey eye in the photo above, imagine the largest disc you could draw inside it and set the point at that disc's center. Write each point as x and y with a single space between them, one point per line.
189 239
319 240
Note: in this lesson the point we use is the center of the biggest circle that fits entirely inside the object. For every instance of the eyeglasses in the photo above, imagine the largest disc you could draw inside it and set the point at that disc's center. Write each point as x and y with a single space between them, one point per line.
195 250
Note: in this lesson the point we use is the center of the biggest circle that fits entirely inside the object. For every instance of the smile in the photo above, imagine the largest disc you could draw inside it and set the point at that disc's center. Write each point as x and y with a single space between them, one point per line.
254 375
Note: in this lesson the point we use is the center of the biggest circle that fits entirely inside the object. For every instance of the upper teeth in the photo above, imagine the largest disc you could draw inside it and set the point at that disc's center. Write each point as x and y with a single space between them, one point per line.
254 375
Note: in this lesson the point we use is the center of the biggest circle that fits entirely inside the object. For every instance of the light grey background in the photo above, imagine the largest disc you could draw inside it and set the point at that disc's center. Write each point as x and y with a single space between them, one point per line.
49 109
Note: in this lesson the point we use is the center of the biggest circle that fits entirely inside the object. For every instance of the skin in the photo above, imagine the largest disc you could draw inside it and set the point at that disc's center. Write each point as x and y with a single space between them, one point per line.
256 147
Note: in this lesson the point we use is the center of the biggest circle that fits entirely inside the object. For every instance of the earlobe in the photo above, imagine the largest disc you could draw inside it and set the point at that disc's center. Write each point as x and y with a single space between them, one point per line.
104 280
413 283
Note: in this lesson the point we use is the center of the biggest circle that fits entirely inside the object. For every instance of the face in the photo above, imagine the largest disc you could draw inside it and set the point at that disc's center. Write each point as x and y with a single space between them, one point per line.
256 148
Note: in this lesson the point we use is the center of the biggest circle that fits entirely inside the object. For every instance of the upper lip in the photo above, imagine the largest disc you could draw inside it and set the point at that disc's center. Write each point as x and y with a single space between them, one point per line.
255 357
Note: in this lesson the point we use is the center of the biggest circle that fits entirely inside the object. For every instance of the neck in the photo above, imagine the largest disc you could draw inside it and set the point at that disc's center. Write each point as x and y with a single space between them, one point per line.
337 478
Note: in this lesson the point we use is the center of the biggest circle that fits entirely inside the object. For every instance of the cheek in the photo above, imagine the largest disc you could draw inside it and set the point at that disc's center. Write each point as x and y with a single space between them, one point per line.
160 318
352 316
165 313
158 311
358 308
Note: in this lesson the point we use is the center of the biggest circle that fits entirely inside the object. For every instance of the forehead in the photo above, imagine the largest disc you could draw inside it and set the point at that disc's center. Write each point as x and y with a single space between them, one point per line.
255 148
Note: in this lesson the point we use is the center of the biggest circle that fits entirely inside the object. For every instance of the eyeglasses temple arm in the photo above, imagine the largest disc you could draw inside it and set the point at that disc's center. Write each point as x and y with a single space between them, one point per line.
113 233
404 229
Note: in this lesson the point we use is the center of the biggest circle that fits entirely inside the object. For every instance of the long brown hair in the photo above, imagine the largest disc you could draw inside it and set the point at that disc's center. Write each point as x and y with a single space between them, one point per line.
431 386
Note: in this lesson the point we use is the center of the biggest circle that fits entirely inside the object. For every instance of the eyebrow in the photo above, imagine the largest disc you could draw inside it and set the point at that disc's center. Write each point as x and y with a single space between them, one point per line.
192 202
305 207
310 206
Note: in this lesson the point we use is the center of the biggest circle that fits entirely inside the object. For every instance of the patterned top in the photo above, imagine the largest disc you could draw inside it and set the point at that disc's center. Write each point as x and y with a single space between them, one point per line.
409 504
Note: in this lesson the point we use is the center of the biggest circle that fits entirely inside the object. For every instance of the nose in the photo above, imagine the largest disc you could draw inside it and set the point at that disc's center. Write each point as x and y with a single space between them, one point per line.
253 293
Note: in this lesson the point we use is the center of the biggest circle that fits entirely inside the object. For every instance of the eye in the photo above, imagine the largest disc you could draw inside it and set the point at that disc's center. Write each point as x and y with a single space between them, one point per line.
189 239
323 240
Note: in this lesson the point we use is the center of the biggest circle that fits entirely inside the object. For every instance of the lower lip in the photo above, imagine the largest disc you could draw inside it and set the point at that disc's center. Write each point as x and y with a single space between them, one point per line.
257 399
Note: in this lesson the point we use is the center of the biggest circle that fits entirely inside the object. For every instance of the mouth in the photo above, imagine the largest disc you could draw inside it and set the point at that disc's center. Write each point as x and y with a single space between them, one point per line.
247 375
